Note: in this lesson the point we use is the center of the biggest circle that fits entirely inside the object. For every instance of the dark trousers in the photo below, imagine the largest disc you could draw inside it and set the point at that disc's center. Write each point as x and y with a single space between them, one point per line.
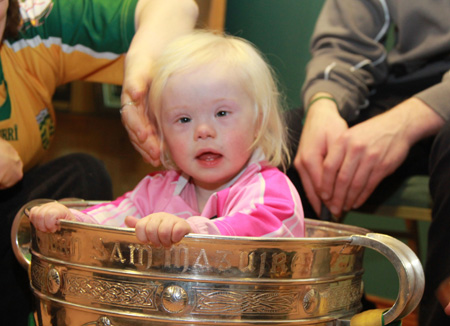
430 156
437 267
71 176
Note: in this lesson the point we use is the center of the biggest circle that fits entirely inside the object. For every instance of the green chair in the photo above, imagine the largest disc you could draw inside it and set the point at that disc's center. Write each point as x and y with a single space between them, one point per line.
410 201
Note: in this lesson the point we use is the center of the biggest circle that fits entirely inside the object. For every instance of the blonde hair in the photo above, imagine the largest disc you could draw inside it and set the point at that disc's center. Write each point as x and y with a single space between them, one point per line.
204 47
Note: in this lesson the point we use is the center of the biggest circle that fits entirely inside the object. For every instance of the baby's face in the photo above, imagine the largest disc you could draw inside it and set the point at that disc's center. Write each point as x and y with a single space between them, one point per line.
208 123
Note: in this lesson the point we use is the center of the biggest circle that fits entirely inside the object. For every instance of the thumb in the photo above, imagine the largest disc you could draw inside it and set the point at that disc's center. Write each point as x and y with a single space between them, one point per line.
131 221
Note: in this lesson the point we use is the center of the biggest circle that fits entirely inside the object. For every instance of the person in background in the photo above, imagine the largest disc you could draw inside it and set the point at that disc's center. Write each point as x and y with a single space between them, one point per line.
217 110
376 114
46 44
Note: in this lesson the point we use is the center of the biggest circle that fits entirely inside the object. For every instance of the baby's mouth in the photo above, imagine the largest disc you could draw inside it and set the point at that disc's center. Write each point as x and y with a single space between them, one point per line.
209 156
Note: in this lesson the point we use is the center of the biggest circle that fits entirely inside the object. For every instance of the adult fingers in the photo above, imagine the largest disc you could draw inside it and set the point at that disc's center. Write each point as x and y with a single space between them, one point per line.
310 191
141 132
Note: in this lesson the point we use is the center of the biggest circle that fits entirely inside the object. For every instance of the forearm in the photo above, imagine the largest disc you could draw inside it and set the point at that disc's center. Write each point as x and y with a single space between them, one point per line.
83 217
158 22
202 225
417 119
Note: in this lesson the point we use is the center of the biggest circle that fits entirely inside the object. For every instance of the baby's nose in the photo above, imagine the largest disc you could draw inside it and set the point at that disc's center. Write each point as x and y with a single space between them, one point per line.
205 131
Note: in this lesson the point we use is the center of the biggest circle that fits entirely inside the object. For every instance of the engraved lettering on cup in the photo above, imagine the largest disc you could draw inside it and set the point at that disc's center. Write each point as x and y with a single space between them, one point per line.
149 250
249 259
301 264
132 248
65 246
202 261
279 263
172 257
101 252
140 251
262 265
116 254
52 243
75 248
223 264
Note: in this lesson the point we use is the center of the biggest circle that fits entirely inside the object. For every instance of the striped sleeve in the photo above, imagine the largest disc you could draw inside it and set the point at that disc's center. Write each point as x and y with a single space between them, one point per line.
155 189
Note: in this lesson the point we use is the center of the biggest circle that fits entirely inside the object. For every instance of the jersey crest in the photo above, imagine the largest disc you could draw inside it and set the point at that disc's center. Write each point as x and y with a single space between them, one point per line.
34 12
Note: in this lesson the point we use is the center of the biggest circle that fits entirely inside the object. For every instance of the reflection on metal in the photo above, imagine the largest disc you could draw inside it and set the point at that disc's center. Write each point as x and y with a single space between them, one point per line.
89 274
53 280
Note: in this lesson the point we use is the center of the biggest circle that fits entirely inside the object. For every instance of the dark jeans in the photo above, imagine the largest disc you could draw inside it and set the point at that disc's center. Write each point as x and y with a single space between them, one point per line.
71 176
437 266
429 156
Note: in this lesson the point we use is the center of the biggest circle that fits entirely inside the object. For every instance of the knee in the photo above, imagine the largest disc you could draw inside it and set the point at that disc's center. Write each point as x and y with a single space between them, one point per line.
440 151
439 163
92 176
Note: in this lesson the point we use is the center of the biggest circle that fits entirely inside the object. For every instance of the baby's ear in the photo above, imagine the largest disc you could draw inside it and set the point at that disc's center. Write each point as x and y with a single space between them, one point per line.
131 221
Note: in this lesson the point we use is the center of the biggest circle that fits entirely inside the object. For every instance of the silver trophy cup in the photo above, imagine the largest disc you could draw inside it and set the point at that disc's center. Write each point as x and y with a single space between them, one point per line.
95 275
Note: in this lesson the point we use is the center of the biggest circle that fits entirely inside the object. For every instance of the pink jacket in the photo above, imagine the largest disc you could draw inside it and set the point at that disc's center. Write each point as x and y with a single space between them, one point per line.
261 202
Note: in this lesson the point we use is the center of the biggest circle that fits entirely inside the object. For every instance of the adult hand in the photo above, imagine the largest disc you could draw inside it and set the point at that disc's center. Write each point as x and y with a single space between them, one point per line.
368 152
157 23
323 125
11 166
365 154
141 131
360 159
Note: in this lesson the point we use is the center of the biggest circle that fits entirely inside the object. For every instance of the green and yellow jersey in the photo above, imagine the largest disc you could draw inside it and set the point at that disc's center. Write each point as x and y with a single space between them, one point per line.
60 41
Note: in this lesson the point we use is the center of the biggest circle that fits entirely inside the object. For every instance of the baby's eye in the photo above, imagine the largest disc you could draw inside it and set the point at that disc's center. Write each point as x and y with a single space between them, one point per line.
184 120
222 113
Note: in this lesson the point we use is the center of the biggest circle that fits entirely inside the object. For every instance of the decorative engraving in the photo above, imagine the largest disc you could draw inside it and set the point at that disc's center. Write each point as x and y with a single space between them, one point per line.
342 295
53 280
246 302
38 275
311 301
112 292
174 298
102 321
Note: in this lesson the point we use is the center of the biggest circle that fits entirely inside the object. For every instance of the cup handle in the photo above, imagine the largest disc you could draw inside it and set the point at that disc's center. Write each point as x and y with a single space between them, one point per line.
408 267
21 227
21 233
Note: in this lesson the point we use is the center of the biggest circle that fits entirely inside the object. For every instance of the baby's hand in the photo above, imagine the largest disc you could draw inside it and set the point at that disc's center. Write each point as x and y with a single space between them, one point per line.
159 228
46 217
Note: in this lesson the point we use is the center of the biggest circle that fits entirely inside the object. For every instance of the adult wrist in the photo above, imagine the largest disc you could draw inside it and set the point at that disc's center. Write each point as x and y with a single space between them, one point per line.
321 97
